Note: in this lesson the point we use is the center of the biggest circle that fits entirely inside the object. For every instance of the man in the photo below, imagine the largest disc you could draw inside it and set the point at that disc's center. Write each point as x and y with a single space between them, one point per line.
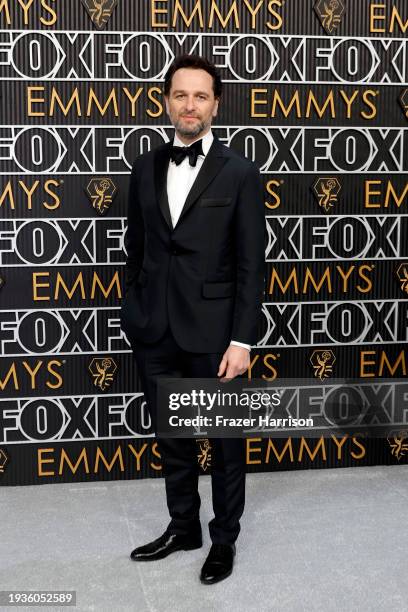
194 278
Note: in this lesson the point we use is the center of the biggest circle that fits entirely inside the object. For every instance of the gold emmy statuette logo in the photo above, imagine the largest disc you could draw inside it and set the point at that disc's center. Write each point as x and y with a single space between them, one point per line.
3 460
101 192
326 191
2 281
329 13
404 102
402 273
398 443
204 454
102 370
322 362
100 11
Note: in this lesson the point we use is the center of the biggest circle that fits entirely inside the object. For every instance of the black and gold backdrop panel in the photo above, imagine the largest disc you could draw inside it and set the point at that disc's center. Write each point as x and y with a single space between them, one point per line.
316 93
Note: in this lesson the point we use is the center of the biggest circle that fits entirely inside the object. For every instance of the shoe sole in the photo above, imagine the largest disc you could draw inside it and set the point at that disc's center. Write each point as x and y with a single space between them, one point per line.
157 558
203 581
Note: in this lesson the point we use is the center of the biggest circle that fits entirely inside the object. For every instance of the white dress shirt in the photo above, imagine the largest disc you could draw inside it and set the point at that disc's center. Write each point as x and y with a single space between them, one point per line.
180 180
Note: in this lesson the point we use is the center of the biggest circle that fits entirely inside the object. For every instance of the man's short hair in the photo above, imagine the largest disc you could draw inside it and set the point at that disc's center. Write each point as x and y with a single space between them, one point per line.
193 61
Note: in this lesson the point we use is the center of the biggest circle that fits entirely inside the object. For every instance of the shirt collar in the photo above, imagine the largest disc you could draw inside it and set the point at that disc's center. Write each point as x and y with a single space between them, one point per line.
207 141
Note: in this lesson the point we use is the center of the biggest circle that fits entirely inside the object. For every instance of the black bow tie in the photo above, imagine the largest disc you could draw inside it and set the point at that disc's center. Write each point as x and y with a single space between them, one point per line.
177 154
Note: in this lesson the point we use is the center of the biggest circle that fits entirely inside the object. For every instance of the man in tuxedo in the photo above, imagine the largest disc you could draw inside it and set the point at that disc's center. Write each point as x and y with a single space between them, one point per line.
194 287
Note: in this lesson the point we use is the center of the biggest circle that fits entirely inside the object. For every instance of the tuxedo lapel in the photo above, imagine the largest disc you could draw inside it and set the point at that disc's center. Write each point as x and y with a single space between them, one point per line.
213 162
161 164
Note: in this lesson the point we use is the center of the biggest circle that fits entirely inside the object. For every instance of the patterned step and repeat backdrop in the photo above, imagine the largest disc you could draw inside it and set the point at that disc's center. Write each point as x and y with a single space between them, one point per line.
316 92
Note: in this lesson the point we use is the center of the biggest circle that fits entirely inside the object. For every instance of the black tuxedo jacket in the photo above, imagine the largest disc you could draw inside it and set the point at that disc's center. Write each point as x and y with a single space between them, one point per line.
205 277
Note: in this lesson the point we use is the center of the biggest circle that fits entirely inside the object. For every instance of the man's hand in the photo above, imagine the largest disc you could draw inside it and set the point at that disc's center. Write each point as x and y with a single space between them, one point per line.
235 361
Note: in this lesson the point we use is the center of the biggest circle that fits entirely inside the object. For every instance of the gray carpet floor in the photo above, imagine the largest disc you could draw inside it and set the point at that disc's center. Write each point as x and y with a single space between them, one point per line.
312 540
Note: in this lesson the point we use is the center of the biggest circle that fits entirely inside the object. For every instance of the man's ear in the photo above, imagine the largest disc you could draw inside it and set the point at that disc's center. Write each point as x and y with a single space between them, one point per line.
166 101
215 110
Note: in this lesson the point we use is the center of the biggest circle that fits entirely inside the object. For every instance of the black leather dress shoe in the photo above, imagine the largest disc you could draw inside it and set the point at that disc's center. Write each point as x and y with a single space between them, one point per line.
218 564
165 545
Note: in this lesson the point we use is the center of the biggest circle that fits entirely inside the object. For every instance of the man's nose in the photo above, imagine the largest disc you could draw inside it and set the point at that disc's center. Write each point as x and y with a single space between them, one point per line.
190 103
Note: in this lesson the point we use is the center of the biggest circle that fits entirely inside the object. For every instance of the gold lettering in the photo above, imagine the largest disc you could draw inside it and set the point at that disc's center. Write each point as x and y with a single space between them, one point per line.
395 17
133 99
253 11
8 192
157 11
256 102
25 6
50 10
250 449
11 373
283 288
29 192
363 450
37 284
369 103
187 21
339 444
156 454
361 271
117 455
102 110
64 458
32 372
320 110
326 277
294 101
65 109
345 276
60 281
391 191
384 361
58 384
155 101
312 455
364 363
368 192
54 196
114 281
5 7
31 101
41 461
251 365
270 366
374 16
287 446
138 454
391 195
215 9
348 101
278 25
269 188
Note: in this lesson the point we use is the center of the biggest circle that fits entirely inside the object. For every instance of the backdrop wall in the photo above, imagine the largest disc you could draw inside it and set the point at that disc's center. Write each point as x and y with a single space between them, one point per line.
316 93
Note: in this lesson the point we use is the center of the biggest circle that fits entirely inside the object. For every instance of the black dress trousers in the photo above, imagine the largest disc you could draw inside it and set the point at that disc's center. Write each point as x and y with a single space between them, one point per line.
179 455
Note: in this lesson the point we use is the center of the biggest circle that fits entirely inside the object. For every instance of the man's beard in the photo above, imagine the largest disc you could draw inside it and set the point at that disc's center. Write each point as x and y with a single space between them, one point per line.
194 130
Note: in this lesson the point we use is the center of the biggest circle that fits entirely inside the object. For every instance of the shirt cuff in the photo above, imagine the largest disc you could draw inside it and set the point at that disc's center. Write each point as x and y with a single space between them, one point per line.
235 343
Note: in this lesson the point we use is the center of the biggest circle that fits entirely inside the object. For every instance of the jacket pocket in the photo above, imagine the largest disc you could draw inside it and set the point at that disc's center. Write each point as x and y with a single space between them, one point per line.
218 290
215 201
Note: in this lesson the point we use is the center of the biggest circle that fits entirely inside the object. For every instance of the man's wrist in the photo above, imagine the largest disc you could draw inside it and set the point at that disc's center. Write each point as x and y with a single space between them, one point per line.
242 344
